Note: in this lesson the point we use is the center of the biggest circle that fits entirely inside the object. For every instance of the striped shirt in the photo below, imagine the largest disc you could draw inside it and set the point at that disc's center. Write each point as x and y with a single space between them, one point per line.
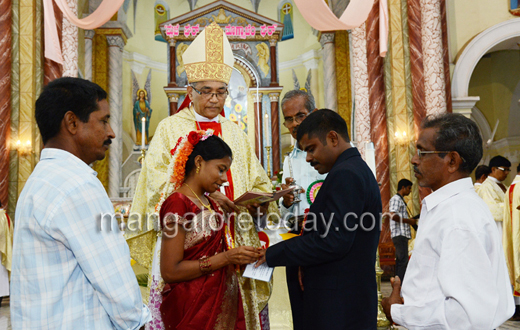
70 269
398 206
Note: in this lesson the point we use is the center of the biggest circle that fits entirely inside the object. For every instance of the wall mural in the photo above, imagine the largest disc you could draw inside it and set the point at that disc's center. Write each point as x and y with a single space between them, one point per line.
141 110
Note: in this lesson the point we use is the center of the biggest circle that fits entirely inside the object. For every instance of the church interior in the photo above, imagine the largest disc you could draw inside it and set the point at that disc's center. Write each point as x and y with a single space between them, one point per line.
407 60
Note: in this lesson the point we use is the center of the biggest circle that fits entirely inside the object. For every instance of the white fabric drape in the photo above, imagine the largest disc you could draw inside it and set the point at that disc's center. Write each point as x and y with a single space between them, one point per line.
100 16
318 14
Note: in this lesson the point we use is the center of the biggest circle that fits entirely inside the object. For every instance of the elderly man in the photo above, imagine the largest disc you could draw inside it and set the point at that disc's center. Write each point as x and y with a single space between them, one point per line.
296 106
208 71
457 276
70 269
337 249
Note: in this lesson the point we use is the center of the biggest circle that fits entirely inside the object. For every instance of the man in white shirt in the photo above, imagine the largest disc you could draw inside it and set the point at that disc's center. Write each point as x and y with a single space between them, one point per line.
71 264
481 174
296 106
457 277
493 190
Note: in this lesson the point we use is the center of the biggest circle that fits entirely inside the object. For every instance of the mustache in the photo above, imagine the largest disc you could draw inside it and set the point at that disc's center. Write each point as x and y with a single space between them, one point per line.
313 163
107 142
416 170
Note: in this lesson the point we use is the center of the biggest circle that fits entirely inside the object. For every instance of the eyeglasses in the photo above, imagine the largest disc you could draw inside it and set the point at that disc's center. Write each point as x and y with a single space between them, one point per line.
504 169
209 95
298 119
421 153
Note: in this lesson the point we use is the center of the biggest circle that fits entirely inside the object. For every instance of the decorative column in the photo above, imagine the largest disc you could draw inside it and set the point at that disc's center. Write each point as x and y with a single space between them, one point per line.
172 82
274 73
378 127
362 113
432 47
329 70
275 130
5 97
89 36
174 99
115 100
70 44
257 99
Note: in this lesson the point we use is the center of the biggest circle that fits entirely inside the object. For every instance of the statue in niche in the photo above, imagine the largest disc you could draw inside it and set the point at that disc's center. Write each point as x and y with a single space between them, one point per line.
142 108
263 57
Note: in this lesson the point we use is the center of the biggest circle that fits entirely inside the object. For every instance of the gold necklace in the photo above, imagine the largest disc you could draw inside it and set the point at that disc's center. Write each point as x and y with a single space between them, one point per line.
208 206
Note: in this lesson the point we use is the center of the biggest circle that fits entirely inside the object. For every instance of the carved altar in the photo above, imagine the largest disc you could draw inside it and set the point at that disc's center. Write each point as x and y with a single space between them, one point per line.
253 101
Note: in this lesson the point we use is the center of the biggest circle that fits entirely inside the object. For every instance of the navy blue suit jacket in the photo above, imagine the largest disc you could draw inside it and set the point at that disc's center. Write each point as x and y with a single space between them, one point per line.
340 290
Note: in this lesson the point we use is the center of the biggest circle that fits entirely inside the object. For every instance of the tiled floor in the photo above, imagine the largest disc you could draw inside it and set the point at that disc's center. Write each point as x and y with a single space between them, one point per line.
5 318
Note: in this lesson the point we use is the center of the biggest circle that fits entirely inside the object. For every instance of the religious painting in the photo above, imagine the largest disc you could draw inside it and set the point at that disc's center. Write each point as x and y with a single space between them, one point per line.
285 15
235 107
161 14
514 7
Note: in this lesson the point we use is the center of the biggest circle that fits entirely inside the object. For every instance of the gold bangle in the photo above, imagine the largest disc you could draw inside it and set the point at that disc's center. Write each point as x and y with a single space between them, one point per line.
205 265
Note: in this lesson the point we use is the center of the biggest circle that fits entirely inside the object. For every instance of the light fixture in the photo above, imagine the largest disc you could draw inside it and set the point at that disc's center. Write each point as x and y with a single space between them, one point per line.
23 149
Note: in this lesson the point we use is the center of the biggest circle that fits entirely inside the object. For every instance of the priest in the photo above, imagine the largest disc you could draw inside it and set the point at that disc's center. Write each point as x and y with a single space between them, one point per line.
208 62
511 238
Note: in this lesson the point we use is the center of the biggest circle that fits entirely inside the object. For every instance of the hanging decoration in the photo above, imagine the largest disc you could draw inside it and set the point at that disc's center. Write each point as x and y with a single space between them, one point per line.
100 16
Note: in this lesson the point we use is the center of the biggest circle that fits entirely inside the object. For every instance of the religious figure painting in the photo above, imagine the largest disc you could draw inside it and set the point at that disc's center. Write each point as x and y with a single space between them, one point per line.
263 57
142 99
514 7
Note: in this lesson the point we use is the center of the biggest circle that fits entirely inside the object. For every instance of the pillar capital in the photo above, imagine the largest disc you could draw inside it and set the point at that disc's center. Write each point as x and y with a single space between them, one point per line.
116 41
89 34
272 42
257 97
274 97
327 38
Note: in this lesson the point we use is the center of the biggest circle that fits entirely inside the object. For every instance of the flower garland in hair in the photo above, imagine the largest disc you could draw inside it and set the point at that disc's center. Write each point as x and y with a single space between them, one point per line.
177 168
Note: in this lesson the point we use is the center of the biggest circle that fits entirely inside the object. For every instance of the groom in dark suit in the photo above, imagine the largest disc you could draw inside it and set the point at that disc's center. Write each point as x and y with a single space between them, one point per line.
337 250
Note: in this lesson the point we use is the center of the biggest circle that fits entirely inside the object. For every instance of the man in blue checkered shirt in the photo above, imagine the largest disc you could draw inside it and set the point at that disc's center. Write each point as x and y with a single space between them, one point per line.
71 264
400 226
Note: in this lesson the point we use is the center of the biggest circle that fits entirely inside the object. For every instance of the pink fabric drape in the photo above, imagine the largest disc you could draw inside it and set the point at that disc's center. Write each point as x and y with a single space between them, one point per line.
318 14
100 16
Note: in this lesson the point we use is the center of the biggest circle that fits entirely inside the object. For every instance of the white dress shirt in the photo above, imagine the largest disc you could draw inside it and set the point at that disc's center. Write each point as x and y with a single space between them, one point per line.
457 276
71 269
304 175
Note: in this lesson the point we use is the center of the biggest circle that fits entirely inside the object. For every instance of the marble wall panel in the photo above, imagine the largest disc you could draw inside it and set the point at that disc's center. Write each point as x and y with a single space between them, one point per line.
376 86
100 77
343 83
446 55
5 97
15 101
416 62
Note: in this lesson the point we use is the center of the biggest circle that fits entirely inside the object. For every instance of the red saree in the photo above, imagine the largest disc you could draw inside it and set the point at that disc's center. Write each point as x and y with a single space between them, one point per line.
210 301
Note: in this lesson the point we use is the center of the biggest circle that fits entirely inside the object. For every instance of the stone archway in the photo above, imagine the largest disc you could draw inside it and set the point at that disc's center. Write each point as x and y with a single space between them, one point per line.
487 41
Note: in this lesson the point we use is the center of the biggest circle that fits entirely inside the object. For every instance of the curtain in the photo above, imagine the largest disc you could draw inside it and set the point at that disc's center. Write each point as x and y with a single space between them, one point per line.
100 16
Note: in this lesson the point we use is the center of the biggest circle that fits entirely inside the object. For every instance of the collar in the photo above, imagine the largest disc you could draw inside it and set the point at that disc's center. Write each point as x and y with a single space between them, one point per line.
349 153
296 150
203 119
495 180
447 191
67 157
478 184
516 179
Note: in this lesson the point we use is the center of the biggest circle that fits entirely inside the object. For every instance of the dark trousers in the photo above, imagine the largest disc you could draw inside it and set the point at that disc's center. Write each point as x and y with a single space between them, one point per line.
295 297
401 255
